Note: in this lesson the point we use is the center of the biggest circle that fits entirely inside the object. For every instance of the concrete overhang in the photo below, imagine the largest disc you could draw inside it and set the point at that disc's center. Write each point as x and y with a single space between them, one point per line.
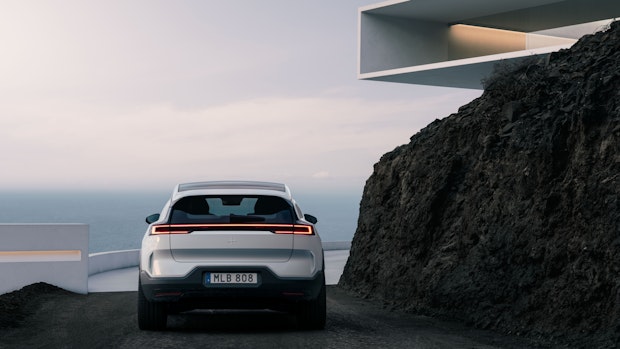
456 43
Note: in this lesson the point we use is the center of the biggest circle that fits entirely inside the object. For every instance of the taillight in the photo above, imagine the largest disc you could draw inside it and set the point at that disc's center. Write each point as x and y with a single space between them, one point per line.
296 229
169 229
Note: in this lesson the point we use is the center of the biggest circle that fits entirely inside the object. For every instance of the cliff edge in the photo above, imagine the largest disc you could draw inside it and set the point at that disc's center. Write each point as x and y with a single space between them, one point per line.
506 215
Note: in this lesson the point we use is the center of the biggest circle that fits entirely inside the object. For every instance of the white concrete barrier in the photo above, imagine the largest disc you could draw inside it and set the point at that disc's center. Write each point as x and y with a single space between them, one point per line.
106 261
336 245
53 253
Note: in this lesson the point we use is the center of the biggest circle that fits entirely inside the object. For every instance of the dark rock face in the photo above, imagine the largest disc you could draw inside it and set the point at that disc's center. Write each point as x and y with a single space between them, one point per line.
506 215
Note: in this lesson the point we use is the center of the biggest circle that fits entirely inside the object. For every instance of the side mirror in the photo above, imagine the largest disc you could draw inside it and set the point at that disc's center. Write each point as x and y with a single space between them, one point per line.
310 218
152 218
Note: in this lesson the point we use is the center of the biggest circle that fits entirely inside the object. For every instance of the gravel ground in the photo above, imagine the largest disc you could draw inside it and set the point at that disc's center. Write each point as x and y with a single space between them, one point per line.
43 316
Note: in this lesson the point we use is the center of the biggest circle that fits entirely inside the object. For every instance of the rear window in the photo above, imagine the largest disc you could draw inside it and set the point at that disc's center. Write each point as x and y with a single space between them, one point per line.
232 209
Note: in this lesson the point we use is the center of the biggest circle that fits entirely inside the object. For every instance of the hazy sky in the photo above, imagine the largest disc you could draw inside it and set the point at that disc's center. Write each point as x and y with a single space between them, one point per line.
146 94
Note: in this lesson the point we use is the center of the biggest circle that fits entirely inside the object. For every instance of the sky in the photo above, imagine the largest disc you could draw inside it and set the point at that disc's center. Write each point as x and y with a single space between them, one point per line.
136 94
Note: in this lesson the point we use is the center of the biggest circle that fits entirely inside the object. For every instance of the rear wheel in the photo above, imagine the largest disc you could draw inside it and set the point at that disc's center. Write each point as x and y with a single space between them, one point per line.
311 315
151 315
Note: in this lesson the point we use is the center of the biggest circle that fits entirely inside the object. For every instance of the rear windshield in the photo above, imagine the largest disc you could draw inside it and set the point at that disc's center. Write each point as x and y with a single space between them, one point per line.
232 209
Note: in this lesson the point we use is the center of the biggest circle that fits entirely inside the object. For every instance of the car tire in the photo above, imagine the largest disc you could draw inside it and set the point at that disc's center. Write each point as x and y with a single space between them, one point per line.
311 315
151 315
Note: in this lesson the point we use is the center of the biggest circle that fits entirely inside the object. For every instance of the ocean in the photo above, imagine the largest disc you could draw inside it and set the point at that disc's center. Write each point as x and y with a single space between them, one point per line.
116 220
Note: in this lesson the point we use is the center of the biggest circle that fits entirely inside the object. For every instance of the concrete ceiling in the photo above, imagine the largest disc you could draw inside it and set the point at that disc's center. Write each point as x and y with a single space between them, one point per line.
522 15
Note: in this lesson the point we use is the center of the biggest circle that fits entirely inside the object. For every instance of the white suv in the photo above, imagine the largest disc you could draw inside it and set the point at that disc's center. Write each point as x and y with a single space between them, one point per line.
231 245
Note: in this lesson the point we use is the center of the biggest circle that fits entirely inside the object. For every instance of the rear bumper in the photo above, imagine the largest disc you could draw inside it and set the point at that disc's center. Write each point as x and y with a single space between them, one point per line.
271 291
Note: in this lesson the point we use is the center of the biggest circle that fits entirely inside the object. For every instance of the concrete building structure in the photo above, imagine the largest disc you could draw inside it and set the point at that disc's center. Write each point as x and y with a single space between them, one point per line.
53 253
457 43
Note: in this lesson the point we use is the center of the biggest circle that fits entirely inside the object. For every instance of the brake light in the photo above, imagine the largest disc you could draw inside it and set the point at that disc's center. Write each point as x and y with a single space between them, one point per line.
296 229
169 229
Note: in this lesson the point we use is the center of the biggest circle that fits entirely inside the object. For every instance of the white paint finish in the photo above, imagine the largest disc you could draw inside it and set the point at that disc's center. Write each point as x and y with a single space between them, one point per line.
104 262
126 279
44 253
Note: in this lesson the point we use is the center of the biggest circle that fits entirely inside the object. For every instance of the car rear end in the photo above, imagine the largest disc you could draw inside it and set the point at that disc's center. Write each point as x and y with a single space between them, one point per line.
231 245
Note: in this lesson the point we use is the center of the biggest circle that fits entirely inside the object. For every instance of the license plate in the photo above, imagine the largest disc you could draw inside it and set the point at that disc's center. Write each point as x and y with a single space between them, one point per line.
231 278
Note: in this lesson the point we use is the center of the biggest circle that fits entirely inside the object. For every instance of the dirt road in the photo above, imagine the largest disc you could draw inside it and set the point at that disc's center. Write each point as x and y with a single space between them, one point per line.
108 320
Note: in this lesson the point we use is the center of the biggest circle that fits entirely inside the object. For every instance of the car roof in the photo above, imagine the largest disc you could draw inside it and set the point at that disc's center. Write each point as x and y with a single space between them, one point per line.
230 188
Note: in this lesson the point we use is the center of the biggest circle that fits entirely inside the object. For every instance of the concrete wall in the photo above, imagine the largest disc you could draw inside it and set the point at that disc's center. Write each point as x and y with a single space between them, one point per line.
466 41
106 261
53 253
389 43
336 245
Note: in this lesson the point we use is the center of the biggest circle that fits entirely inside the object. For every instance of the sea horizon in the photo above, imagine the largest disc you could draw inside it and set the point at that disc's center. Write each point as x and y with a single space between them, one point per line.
116 219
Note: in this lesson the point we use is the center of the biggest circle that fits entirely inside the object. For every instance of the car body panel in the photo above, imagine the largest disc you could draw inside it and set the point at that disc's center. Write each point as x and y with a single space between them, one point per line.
230 246
173 265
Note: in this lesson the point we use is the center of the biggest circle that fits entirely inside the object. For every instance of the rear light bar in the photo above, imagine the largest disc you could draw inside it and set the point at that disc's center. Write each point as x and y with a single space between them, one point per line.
296 229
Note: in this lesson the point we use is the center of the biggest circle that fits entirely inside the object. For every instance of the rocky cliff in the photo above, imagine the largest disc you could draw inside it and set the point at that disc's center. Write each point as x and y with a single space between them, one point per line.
506 215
